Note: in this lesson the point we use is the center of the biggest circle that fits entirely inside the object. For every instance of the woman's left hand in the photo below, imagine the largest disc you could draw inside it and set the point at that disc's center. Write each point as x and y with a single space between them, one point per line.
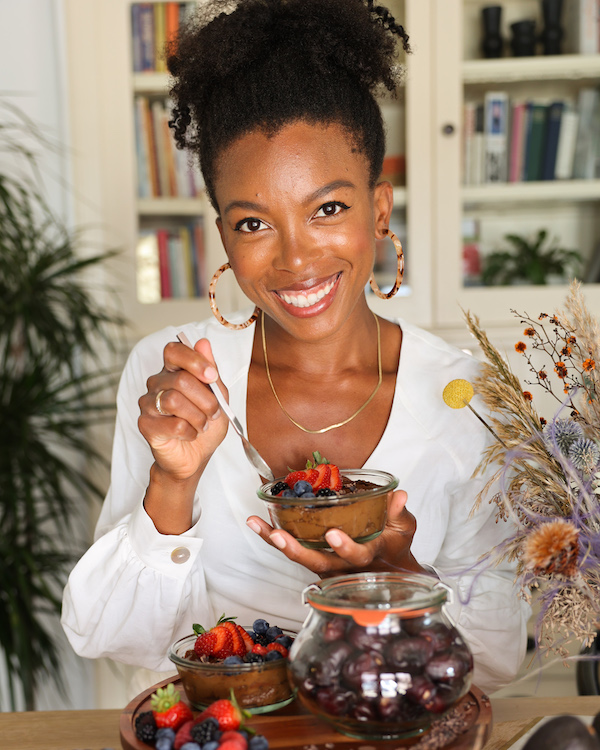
389 551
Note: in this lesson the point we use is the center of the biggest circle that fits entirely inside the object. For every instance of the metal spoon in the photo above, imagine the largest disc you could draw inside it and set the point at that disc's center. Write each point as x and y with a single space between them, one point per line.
257 461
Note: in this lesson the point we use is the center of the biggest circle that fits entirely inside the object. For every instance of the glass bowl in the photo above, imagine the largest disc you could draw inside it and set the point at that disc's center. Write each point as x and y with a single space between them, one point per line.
259 687
361 515
377 657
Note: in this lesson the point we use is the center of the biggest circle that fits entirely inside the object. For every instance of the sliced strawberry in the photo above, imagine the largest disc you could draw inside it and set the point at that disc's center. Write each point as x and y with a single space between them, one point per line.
307 475
259 649
335 482
238 647
223 643
277 647
216 643
246 637
323 478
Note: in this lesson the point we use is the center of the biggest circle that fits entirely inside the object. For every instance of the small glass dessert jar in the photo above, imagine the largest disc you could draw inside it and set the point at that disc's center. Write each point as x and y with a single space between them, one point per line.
377 657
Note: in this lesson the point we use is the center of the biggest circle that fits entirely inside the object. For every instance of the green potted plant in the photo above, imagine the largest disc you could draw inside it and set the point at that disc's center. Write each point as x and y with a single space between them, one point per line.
52 391
529 261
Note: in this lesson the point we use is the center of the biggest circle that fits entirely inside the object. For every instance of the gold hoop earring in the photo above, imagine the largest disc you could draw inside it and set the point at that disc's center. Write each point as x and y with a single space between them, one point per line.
215 309
399 272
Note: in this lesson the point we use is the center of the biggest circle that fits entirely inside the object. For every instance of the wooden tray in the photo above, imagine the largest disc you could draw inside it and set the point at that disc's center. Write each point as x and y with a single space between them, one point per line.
466 727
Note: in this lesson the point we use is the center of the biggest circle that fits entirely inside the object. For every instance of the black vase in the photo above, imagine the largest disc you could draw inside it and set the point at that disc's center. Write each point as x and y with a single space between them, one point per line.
492 44
523 39
553 32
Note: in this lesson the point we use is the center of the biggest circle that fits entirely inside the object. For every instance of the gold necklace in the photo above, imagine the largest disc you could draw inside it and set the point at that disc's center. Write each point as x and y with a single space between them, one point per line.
331 426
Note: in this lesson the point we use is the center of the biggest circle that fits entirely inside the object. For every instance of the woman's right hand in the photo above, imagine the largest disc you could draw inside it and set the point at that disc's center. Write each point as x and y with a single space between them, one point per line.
185 437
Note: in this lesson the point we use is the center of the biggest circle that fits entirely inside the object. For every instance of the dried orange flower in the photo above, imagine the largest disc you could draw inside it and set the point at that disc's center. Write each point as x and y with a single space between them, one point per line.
571 340
553 320
543 421
542 374
560 369
565 351
542 316
520 346
529 332
589 364
552 547
527 396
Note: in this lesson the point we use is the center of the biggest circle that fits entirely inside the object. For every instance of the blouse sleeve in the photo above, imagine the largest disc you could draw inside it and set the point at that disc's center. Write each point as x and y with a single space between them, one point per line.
128 590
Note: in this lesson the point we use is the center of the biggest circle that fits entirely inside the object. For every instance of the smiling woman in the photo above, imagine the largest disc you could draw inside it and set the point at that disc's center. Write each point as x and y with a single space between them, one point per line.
276 100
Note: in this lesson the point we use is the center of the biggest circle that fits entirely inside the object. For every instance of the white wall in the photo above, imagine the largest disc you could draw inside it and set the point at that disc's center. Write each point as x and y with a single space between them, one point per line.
32 77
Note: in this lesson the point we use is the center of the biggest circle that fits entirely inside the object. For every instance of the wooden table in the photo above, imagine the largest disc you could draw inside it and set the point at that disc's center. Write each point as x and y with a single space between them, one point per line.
97 730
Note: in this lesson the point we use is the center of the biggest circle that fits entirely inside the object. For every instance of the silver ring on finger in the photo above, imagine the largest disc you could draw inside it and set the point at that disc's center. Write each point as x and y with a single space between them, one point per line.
158 405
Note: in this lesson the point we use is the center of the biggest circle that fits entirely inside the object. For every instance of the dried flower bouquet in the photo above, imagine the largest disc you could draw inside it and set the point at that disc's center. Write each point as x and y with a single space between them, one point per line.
549 472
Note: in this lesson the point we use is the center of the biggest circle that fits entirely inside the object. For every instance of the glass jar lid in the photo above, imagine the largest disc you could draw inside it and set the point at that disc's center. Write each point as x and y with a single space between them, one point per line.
370 597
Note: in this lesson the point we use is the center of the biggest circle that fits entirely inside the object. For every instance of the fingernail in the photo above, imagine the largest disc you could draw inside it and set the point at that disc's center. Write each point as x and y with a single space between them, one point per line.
211 374
278 541
334 538
217 414
254 526
206 426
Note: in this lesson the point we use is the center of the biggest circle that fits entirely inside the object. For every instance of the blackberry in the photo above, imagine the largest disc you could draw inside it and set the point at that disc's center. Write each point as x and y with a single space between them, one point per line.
145 727
261 638
206 731
279 487
253 658
325 492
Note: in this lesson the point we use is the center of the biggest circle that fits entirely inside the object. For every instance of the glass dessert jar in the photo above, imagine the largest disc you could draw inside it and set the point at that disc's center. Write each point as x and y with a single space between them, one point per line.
377 657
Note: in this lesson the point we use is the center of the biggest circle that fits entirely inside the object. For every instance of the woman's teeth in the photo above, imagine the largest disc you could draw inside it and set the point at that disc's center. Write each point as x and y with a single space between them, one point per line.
300 299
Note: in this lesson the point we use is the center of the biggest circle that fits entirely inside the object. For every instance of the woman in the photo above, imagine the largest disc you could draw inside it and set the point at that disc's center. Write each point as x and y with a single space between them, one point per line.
276 100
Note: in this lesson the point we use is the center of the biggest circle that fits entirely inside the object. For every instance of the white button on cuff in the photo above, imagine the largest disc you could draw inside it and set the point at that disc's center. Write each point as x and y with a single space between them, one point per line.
180 555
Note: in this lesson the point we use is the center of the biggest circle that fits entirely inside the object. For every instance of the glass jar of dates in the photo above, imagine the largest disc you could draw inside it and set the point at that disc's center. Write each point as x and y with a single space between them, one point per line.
377 657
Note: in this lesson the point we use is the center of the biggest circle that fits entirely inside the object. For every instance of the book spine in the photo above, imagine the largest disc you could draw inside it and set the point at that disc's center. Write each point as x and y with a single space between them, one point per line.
136 38
161 163
496 136
146 16
516 142
148 268
151 147
141 147
478 162
164 263
172 21
555 112
199 261
535 143
566 145
160 38
587 135
188 274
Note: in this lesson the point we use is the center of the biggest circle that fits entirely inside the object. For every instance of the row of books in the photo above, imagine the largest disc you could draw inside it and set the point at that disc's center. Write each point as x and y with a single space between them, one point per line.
163 171
170 263
152 26
523 141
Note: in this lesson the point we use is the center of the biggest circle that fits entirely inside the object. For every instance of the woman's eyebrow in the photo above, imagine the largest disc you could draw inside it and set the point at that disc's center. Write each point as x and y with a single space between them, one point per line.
318 193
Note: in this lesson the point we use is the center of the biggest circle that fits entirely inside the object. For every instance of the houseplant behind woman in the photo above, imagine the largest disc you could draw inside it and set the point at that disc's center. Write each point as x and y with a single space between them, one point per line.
276 100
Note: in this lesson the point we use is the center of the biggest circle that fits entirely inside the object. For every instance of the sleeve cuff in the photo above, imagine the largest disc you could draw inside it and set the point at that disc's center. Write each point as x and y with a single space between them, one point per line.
171 554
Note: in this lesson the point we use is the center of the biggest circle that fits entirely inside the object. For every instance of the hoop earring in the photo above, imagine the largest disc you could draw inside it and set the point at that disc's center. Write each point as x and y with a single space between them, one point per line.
399 273
215 309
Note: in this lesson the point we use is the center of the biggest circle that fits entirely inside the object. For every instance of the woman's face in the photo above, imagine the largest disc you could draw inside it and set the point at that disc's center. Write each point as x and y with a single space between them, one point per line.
299 222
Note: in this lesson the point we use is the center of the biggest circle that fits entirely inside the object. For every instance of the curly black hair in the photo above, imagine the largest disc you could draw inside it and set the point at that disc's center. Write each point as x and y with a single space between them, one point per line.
270 62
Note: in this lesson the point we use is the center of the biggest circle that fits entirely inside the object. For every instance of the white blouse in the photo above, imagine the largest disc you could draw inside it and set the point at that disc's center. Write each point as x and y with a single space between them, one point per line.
136 591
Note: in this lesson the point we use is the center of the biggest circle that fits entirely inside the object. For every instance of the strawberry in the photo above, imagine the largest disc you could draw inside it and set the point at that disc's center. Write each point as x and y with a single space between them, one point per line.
277 647
238 647
236 740
257 648
307 475
226 712
216 643
324 476
183 735
168 709
248 642
335 482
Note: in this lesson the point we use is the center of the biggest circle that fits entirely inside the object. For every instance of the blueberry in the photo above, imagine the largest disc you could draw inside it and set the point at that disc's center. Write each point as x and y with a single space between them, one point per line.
260 626
212 745
190 746
285 640
302 486
306 495
258 742
273 655
288 493
233 660
164 743
165 732
274 632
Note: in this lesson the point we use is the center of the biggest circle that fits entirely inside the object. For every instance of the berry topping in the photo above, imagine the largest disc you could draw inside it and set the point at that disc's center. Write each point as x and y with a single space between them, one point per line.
260 626
225 639
278 488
